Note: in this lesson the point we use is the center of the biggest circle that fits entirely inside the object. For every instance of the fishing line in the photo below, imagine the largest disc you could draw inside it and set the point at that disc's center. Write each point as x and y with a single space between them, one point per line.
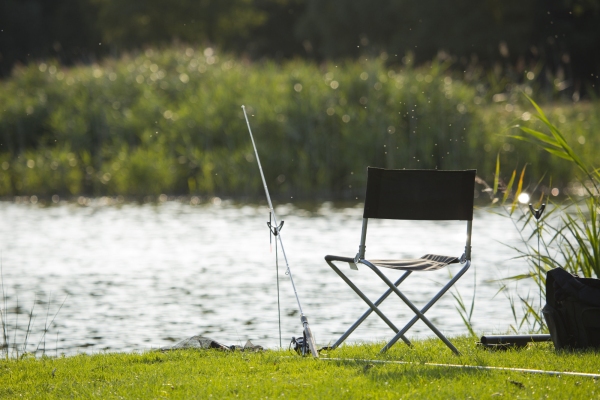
306 328
476 367
275 231
278 302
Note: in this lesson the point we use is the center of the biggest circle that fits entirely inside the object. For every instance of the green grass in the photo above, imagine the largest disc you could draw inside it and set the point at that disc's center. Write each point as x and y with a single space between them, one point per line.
275 374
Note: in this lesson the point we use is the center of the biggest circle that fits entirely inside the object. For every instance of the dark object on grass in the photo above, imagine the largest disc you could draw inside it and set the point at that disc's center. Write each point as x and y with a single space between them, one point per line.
503 342
201 342
572 310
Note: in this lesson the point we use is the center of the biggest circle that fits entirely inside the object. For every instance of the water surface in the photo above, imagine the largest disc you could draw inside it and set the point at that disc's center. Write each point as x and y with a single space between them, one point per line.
137 277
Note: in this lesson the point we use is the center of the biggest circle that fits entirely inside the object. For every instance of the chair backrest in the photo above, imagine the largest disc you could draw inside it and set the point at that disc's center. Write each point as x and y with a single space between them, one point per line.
421 194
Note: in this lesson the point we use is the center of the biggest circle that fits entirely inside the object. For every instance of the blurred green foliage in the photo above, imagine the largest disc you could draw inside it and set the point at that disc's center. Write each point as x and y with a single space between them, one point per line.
560 36
170 121
129 24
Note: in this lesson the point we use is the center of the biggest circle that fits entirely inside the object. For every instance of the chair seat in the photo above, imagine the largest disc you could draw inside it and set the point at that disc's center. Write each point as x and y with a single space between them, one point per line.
429 262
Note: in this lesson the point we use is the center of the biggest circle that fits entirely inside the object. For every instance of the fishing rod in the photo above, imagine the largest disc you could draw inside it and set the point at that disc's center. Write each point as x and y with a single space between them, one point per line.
276 229
537 214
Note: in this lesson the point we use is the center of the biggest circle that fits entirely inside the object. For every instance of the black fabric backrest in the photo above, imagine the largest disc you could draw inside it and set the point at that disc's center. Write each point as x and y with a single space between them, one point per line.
419 194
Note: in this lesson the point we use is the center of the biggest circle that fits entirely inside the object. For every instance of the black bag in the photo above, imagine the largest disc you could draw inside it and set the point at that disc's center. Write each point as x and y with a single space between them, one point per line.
572 310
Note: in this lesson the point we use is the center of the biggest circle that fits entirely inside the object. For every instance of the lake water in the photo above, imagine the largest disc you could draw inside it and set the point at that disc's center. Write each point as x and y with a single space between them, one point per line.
135 277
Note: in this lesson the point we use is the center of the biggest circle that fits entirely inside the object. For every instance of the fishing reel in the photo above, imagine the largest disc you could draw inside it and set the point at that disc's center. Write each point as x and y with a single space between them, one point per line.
300 345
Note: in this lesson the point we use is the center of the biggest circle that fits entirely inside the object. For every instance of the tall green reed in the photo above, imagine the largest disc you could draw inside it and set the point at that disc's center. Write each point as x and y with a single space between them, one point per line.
568 234
579 235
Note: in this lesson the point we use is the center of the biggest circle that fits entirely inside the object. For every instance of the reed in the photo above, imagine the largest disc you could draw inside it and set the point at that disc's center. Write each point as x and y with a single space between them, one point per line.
568 234
15 338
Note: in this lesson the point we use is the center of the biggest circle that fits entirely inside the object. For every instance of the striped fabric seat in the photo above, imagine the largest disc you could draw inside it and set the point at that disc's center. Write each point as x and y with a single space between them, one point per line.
429 262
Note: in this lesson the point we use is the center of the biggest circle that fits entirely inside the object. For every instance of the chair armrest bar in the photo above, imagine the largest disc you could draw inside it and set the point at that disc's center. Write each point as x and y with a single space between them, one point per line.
338 258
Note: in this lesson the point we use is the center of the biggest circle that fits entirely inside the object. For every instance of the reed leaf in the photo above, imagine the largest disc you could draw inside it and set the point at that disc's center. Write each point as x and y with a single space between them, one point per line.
497 174
464 314
559 138
518 192
509 187
536 134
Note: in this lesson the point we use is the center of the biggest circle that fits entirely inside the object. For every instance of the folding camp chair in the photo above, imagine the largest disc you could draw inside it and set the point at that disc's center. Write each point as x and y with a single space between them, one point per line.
411 195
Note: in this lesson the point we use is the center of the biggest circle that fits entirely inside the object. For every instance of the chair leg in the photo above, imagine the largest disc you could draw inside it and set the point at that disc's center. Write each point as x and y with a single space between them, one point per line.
372 306
411 306
369 311
427 306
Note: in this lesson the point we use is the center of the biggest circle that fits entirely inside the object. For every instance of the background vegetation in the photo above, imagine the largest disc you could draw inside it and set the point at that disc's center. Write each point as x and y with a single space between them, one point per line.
170 121
102 98
559 35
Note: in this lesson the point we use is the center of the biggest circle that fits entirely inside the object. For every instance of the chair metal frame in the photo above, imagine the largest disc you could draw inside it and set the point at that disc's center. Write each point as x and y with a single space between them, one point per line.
465 260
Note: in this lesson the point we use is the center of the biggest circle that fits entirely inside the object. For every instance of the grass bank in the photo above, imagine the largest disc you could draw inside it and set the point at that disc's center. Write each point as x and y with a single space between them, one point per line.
213 374
169 121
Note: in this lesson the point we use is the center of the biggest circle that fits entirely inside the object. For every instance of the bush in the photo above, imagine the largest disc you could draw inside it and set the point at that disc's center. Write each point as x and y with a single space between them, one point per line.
170 121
